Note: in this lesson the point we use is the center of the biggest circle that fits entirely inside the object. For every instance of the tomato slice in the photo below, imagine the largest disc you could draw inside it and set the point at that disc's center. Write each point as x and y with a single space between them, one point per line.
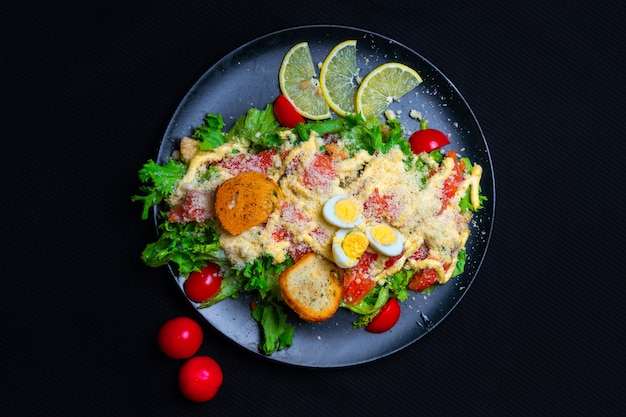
295 249
452 183
386 318
381 207
260 162
423 279
427 140
357 281
176 215
286 113
392 260
320 172
421 253
198 206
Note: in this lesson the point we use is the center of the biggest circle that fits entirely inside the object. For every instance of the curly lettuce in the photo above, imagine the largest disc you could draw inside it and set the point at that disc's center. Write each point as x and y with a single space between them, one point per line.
277 332
209 134
259 127
158 183
373 135
189 246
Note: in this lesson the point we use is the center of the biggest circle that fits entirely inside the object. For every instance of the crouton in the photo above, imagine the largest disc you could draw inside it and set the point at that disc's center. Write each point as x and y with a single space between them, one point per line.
188 148
312 288
245 201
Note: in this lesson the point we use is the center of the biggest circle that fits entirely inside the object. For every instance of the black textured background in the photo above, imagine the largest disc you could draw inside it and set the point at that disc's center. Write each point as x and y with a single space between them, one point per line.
87 92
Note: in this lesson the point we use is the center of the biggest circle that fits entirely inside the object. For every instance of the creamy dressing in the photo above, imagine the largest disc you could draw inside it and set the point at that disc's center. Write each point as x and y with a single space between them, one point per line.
412 208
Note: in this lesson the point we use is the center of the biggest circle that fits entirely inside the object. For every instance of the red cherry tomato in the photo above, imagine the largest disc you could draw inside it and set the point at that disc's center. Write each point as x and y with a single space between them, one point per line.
204 284
286 113
426 140
180 338
200 378
386 318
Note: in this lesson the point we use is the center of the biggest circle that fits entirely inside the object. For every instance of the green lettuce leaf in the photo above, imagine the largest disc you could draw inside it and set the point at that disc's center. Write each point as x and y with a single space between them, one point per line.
326 127
158 183
230 288
465 203
369 306
373 135
460 263
209 134
277 333
398 282
188 245
261 275
260 127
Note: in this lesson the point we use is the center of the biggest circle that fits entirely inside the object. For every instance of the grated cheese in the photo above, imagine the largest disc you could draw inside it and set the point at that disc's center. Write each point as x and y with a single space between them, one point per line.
380 185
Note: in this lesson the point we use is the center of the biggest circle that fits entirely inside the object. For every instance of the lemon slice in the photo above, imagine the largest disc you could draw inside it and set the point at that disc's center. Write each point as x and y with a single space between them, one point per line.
298 82
338 78
383 85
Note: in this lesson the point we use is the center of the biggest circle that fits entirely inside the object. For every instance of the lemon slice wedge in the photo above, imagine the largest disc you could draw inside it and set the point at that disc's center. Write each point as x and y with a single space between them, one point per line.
338 78
384 85
298 82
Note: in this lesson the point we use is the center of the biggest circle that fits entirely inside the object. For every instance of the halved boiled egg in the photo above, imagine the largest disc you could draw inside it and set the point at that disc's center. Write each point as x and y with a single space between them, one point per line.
385 239
342 211
348 246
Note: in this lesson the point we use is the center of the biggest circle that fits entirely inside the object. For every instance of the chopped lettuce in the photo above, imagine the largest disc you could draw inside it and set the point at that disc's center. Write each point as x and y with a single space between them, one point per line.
303 130
465 202
398 283
230 288
262 275
373 135
158 183
209 134
188 245
277 333
369 306
460 263
260 127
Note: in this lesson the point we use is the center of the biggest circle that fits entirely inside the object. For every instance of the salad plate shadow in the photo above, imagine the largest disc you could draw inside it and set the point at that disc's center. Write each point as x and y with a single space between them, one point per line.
248 77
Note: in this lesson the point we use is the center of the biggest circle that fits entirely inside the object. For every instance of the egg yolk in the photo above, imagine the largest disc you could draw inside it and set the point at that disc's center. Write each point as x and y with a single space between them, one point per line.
354 244
383 234
346 210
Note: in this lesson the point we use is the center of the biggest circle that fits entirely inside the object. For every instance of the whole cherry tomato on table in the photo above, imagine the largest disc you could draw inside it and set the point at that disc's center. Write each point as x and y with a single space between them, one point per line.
386 318
200 378
286 113
427 139
180 338
204 284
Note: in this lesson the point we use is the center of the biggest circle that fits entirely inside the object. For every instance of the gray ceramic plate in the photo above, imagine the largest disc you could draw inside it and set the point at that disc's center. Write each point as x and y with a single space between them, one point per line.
248 77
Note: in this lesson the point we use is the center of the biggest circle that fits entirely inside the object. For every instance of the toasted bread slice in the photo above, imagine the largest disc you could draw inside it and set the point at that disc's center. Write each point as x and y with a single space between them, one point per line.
311 287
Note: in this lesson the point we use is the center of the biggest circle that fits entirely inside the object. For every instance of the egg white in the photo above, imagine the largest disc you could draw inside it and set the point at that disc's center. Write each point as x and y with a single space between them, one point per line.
329 213
339 255
392 249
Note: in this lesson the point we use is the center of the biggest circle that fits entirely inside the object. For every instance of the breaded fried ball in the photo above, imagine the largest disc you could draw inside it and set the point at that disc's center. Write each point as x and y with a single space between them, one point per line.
245 201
